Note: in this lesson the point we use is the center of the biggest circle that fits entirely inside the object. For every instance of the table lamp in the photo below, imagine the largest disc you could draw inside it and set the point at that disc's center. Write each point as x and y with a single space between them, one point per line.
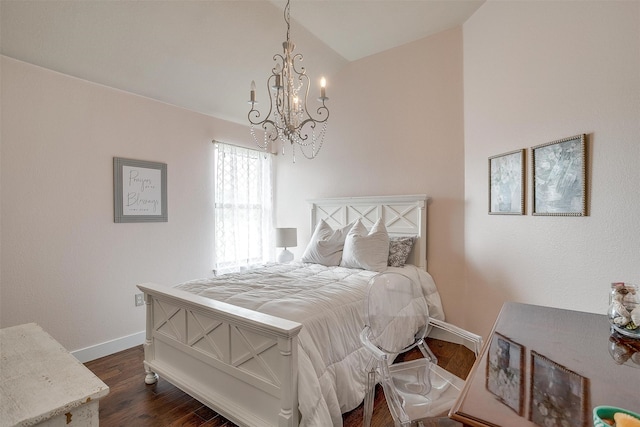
286 238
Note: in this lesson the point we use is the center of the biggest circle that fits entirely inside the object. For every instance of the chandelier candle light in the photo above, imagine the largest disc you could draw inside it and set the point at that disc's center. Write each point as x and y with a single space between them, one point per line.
288 119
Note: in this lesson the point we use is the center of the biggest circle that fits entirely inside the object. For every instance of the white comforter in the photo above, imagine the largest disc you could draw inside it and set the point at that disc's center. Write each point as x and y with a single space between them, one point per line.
329 303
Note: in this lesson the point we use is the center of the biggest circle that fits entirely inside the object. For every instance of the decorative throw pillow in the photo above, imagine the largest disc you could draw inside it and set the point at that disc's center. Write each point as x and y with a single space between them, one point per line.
369 251
399 249
326 245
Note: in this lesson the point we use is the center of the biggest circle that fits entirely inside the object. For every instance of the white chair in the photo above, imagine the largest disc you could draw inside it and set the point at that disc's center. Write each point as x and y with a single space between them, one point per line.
414 389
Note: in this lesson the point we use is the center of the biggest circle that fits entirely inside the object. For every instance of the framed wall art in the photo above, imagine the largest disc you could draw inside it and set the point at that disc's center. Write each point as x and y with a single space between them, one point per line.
558 395
505 372
560 178
139 191
507 183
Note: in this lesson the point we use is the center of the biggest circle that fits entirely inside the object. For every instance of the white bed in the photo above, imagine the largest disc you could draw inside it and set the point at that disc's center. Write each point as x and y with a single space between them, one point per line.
280 346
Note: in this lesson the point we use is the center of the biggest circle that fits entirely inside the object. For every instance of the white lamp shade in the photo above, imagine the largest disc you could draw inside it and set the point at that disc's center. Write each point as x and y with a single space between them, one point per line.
286 237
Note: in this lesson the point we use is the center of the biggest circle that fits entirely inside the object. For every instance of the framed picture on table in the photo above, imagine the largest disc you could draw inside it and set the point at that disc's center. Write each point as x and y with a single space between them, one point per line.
558 395
505 372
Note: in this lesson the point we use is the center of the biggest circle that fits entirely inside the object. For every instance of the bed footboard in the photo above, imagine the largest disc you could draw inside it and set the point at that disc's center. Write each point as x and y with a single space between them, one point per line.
241 363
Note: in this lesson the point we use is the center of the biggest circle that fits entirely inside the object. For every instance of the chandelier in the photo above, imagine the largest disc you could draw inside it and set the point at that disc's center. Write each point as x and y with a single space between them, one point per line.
288 119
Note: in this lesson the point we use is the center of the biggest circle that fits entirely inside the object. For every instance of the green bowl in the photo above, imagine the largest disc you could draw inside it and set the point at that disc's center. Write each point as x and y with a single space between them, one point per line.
600 412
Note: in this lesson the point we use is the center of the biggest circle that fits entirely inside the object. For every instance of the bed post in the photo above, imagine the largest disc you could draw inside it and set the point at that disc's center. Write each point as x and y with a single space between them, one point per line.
422 232
288 416
313 217
151 377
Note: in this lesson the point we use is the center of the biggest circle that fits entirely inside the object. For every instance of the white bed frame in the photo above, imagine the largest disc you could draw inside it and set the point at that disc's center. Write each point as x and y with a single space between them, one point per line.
242 363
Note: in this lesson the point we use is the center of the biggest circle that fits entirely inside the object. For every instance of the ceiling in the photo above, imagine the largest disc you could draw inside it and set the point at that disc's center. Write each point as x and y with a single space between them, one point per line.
202 55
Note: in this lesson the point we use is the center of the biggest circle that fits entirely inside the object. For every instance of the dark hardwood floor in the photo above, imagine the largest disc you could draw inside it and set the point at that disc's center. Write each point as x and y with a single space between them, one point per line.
132 403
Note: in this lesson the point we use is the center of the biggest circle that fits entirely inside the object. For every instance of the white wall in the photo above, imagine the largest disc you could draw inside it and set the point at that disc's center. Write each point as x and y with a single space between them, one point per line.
65 264
69 267
535 72
395 128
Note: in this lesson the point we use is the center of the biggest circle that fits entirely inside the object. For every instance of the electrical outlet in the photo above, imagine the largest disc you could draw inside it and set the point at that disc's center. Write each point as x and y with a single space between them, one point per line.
139 300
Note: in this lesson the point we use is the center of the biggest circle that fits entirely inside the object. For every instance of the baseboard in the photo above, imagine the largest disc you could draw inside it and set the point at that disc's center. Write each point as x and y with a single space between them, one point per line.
439 334
106 348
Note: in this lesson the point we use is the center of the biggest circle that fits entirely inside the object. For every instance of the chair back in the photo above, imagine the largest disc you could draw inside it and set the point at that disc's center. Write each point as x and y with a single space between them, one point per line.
395 304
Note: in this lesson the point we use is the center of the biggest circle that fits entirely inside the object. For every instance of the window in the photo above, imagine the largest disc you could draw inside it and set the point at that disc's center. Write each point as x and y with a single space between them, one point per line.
243 212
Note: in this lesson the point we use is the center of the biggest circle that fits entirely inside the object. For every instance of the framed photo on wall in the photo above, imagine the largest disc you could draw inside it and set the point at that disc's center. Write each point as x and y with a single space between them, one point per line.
507 183
139 191
560 178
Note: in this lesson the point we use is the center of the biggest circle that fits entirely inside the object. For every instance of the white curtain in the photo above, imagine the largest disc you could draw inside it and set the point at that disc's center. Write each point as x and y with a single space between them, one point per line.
243 208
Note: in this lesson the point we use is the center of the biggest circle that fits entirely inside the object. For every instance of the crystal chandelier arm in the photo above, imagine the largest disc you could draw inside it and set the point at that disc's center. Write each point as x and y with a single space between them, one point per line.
303 134
269 126
298 57
254 113
278 57
321 111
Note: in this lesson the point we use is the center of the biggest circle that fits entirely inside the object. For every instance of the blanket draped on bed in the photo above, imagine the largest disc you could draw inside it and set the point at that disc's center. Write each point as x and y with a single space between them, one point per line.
329 303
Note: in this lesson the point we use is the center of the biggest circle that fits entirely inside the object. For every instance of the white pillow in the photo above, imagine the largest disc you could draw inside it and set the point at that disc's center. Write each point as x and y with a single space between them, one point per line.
326 245
368 251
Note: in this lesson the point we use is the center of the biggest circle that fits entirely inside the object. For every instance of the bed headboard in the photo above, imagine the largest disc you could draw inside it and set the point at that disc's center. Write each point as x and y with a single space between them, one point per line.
402 215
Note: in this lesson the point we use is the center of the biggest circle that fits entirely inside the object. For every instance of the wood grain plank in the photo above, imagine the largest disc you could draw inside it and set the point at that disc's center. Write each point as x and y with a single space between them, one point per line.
131 402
